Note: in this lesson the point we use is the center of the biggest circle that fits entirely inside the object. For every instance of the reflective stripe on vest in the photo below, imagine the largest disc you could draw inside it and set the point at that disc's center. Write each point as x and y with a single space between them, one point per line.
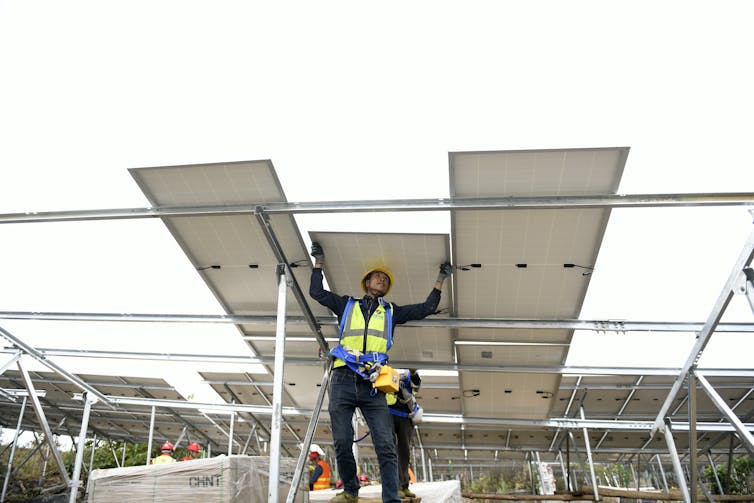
353 328
323 482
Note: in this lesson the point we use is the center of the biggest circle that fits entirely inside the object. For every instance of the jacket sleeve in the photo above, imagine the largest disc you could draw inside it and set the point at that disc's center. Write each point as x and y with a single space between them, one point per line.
402 314
315 474
335 303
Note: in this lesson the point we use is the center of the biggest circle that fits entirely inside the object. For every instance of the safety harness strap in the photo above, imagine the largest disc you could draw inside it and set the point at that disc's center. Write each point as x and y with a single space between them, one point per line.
359 363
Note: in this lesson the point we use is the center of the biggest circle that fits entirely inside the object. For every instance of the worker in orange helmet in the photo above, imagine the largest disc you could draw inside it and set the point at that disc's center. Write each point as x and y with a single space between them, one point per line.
319 478
166 454
193 452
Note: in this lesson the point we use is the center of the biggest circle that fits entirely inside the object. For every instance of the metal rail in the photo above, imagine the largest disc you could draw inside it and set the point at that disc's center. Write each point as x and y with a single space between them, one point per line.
429 204
515 323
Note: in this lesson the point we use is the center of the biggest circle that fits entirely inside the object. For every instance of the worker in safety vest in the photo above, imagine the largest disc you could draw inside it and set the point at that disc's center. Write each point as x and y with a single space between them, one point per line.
319 476
193 452
365 336
406 413
166 454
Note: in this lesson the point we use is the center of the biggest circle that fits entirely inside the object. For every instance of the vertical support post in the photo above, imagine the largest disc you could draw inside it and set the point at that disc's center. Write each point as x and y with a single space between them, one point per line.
680 477
662 473
91 454
115 454
589 455
151 437
729 473
88 401
424 465
43 421
714 471
431 475
693 450
531 474
44 466
633 472
569 482
277 387
638 472
13 450
122 456
563 470
230 432
303 456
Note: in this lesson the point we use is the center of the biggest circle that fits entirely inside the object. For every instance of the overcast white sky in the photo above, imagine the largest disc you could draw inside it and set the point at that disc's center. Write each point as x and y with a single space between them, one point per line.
361 100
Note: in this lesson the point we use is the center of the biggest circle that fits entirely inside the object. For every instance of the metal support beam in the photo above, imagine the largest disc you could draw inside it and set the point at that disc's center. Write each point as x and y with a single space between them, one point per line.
52 366
714 472
451 322
313 420
729 471
277 389
43 421
749 286
230 433
13 450
265 360
75 481
151 436
693 449
180 437
13 359
91 453
719 402
277 249
569 478
662 473
679 475
429 204
744 259
589 456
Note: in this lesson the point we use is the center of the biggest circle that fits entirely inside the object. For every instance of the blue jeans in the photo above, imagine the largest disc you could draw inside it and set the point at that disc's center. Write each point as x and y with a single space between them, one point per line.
348 390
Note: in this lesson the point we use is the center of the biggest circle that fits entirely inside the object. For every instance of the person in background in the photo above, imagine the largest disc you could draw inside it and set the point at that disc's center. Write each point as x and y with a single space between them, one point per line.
193 452
365 335
319 478
166 454
406 412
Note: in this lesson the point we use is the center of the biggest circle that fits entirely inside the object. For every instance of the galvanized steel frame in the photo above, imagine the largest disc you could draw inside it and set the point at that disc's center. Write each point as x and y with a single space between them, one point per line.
612 201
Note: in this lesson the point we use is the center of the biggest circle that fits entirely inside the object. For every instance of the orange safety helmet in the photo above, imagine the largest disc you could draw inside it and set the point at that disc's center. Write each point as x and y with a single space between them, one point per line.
375 269
167 447
193 447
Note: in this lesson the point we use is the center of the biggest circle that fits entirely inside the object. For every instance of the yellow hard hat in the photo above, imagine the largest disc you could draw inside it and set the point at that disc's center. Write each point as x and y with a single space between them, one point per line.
375 269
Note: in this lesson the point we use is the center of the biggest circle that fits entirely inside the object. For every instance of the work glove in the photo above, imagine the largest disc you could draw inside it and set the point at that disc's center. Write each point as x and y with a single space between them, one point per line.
445 271
318 253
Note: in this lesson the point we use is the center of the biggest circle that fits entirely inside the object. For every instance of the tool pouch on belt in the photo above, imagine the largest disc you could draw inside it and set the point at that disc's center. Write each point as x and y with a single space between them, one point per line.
388 380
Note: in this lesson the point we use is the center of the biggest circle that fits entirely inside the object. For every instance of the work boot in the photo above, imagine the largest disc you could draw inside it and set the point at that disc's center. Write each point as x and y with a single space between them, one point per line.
344 497
406 493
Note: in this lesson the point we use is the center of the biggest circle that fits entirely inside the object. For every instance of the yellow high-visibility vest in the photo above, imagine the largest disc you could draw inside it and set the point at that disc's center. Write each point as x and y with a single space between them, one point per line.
354 327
